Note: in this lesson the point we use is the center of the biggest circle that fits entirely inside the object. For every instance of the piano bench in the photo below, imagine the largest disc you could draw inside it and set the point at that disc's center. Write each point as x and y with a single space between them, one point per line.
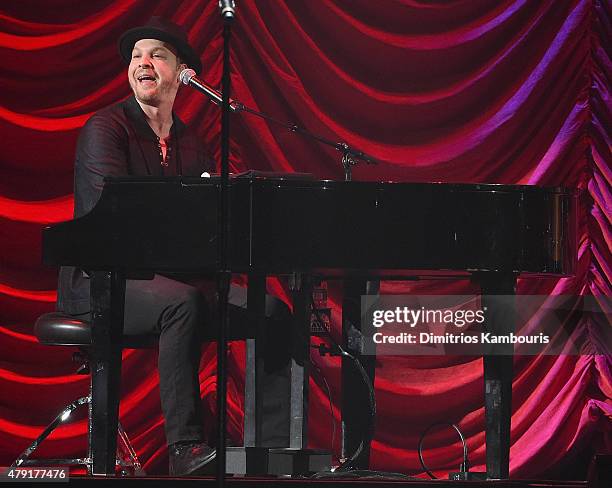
61 329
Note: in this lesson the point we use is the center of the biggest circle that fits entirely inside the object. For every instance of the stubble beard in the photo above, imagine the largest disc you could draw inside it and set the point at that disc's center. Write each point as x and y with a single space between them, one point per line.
155 96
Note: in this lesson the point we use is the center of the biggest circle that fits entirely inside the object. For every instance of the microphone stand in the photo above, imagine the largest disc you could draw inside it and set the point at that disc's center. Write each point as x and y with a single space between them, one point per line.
350 156
224 274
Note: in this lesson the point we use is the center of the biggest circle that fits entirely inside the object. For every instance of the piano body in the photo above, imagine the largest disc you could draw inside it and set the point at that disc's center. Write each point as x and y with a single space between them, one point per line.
350 230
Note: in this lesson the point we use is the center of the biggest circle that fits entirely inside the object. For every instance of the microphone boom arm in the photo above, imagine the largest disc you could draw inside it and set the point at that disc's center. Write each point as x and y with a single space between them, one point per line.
350 156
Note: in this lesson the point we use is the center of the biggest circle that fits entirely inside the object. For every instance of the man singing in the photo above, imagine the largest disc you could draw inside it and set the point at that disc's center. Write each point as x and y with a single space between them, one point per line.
143 136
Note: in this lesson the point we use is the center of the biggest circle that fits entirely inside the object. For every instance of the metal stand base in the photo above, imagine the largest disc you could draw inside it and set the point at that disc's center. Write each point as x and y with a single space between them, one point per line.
126 460
276 461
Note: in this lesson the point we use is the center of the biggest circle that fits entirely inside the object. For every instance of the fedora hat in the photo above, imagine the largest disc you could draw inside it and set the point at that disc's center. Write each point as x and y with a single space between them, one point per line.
162 30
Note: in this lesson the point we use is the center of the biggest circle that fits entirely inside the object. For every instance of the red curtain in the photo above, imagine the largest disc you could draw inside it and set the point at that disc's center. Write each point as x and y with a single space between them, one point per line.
512 91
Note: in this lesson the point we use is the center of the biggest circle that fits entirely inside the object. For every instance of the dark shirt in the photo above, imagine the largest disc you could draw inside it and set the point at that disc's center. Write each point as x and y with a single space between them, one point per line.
118 141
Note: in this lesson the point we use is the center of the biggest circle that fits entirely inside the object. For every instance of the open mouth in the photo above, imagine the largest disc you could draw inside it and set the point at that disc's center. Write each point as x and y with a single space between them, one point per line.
146 79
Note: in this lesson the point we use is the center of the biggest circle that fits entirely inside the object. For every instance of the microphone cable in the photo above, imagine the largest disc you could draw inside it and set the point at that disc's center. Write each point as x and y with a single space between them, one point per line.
337 350
464 465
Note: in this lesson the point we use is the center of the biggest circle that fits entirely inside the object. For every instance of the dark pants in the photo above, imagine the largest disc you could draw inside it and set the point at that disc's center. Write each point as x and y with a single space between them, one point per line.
178 312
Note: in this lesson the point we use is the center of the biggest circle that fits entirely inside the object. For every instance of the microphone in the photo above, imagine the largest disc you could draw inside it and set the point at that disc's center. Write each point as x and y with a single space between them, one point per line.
227 9
188 77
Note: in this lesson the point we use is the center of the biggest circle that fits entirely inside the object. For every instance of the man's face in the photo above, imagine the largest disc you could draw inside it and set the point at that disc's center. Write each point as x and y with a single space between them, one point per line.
153 72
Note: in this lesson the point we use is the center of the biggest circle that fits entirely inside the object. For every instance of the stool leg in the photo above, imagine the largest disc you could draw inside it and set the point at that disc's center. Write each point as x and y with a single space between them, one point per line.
124 446
61 418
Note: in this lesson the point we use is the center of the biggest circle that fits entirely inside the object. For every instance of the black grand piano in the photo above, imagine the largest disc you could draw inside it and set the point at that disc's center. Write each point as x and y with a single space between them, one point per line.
357 231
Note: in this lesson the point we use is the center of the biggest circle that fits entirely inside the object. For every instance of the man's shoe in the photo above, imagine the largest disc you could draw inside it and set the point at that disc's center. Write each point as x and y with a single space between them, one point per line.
191 459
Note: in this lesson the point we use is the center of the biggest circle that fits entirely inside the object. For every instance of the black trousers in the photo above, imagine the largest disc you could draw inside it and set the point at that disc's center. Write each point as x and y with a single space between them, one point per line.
179 312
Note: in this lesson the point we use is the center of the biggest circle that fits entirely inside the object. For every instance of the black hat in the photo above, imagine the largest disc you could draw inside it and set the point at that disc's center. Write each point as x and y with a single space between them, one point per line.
163 30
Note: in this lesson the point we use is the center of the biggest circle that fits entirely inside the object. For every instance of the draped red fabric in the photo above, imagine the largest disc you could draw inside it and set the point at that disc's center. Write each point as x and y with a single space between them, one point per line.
512 91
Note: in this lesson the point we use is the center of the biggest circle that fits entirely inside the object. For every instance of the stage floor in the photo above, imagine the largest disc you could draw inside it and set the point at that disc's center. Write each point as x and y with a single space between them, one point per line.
242 482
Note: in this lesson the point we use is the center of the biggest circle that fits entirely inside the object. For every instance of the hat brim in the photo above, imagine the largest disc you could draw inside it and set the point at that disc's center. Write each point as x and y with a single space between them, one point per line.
185 51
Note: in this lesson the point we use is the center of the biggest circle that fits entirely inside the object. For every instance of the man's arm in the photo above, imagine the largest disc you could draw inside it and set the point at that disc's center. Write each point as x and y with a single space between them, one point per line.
102 150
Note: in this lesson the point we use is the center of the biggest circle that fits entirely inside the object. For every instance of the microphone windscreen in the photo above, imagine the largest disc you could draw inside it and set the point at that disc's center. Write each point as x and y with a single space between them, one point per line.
186 75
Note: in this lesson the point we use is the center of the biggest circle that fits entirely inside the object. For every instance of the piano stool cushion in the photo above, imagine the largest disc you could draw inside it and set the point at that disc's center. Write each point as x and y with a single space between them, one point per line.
62 329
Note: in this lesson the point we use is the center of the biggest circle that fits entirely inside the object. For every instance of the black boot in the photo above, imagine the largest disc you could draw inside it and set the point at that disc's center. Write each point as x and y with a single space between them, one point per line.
191 458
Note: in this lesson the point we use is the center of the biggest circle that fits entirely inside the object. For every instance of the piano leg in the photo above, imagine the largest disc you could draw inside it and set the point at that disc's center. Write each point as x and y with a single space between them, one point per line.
355 407
253 418
498 297
300 363
107 305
